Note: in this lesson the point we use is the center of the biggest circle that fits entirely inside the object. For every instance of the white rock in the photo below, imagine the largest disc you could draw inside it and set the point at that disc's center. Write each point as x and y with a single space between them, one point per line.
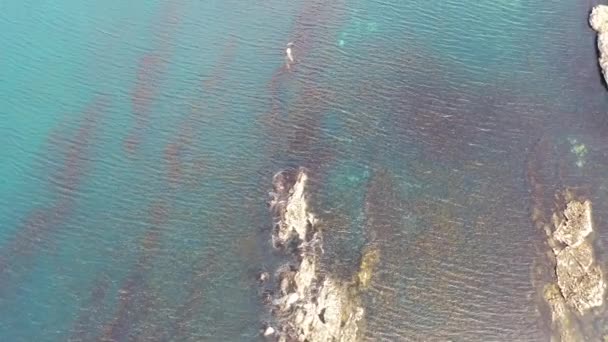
291 299
269 332
598 19
599 22
576 225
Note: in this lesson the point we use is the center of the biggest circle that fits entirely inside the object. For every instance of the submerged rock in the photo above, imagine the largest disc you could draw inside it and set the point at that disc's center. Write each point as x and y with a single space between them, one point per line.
599 22
369 260
567 328
579 150
310 306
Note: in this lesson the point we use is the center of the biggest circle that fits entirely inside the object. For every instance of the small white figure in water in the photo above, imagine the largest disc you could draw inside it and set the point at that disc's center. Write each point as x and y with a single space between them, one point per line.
289 55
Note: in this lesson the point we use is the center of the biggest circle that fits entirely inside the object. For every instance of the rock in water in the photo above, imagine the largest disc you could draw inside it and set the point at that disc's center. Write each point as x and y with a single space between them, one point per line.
576 225
269 332
309 305
579 279
580 283
599 22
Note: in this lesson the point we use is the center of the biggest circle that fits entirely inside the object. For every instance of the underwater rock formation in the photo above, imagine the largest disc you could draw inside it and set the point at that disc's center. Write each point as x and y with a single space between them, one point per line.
563 324
580 284
599 22
309 305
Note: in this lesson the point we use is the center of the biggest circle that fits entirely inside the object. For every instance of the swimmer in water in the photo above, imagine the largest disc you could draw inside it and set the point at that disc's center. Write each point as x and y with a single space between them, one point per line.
289 55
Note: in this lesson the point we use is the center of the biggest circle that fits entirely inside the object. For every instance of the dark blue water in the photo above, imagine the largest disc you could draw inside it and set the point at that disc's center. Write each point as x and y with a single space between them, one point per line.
139 141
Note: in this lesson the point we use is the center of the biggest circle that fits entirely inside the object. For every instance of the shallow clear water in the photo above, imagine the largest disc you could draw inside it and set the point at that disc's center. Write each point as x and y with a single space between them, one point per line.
139 141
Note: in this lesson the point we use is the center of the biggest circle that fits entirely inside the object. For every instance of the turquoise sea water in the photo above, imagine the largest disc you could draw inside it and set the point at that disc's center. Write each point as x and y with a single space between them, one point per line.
140 137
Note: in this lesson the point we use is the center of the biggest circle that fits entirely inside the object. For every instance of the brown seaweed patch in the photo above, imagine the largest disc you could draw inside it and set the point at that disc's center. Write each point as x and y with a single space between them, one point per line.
134 296
182 143
174 166
421 237
41 223
382 200
85 325
310 21
150 69
178 323
77 148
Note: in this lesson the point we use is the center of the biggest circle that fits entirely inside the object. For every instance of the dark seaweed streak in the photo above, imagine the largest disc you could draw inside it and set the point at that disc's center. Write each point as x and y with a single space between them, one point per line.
133 294
38 228
150 71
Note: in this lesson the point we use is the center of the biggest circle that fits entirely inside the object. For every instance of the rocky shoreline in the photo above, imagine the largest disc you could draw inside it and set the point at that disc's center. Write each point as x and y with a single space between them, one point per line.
305 303
598 19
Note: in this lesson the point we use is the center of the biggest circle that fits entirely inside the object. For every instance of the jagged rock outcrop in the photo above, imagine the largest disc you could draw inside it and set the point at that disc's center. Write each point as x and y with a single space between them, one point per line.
599 22
580 282
309 305
564 325
575 225
579 279
293 221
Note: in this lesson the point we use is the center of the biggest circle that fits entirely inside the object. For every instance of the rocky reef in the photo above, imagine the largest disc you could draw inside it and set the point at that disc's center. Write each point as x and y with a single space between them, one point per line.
599 22
579 279
308 304
579 284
